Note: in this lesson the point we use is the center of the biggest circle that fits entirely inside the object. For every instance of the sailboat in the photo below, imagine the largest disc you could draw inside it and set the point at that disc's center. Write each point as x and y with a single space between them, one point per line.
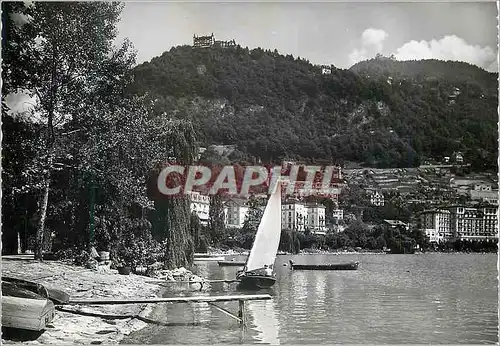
258 271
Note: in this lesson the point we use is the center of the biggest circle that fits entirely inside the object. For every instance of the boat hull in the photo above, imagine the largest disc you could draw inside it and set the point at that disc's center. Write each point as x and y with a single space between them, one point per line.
231 264
16 286
337 266
26 310
256 281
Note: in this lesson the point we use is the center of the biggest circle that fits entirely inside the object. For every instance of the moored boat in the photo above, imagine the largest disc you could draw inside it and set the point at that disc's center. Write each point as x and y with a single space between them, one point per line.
231 263
332 266
209 259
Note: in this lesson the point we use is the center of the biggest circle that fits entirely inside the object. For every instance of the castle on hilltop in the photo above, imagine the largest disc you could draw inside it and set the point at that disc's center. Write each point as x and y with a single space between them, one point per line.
210 41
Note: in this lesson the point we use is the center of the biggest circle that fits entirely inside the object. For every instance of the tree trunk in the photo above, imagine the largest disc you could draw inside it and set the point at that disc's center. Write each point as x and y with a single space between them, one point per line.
42 214
179 251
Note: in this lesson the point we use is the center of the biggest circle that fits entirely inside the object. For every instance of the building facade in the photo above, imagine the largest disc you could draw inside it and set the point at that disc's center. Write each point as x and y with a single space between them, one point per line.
377 198
203 41
316 218
200 204
235 213
436 224
474 223
294 216
460 223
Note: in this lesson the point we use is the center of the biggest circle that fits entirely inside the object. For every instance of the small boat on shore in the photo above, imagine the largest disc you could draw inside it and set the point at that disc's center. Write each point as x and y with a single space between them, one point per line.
26 305
335 266
57 296
231 263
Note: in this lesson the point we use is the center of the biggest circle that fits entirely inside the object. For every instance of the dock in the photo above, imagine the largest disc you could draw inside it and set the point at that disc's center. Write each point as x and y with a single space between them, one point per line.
211 300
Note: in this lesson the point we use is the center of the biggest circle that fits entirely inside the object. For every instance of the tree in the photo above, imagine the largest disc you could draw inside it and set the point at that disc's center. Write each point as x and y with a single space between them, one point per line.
216 220
68 63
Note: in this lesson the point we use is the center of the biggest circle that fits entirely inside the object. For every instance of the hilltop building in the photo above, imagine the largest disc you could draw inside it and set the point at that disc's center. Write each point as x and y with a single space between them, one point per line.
203 41
210 41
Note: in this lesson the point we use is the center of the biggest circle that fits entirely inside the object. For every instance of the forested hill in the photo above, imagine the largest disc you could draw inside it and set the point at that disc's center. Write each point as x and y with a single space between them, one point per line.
380 112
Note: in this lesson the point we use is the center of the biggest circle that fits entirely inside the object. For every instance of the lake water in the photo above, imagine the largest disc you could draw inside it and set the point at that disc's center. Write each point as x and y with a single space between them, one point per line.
429 298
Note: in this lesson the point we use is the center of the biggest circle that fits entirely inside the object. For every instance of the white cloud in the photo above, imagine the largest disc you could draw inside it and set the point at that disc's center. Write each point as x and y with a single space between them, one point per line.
449 47
374 38
372 43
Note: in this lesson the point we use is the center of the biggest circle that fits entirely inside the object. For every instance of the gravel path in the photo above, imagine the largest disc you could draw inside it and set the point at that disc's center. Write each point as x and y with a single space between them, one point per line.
85 283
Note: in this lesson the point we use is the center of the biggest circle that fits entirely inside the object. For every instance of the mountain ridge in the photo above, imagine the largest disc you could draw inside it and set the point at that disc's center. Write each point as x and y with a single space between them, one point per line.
380 111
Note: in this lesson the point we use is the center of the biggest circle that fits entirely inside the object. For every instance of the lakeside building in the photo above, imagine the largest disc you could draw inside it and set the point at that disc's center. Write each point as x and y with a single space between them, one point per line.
293 216
299 217
460 222
316 218
200 204
436 224
235 212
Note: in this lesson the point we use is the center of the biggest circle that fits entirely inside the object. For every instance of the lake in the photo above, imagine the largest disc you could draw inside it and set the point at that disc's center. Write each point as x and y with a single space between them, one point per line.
420 299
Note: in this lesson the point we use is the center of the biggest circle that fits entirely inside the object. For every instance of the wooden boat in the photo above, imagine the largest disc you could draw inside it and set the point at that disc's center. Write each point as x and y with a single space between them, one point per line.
26 306
231 263
209 258
55 295
258 272
336 266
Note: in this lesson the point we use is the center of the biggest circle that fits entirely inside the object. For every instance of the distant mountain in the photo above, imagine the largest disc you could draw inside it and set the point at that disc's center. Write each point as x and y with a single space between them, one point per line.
380 112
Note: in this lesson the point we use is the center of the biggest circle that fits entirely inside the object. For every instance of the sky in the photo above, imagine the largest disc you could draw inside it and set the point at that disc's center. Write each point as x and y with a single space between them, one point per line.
338 33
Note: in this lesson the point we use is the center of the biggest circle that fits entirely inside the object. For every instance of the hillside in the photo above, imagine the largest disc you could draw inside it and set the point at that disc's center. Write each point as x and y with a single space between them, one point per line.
380 112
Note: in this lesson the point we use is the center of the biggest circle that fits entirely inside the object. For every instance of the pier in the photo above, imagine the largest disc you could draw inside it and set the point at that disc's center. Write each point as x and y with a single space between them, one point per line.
211 300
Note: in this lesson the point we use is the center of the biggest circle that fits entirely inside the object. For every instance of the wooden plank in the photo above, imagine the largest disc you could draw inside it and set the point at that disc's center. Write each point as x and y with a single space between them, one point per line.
195 299
191 282
225 312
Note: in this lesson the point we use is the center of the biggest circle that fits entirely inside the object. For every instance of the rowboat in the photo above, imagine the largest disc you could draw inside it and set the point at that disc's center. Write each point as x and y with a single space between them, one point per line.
231 263
26 306
336 266
209 258
55 295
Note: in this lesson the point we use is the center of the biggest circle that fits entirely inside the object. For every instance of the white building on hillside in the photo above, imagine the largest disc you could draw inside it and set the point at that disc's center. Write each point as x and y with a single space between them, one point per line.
376 198
338 214
200 204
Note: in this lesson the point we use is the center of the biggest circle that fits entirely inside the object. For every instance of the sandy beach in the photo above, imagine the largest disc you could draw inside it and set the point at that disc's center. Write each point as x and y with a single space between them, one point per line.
83 283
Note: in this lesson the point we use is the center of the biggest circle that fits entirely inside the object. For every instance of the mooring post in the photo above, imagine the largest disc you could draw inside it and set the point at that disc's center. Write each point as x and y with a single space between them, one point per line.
242 312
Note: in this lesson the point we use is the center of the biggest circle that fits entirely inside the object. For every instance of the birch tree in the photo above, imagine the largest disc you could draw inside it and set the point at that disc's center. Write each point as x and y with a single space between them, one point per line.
62 55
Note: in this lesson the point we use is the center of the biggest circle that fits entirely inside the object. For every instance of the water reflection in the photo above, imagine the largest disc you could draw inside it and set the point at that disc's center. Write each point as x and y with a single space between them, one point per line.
391 299
202 312
320 284
265 321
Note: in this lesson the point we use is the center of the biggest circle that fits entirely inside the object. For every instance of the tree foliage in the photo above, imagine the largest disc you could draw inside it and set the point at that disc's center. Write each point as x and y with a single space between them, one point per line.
274 106
86 149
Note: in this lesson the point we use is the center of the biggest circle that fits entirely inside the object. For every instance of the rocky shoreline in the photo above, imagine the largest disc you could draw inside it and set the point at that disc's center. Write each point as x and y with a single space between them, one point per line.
82 283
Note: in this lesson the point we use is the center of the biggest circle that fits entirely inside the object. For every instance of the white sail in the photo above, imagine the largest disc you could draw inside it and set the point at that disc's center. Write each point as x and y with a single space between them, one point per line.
267 239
